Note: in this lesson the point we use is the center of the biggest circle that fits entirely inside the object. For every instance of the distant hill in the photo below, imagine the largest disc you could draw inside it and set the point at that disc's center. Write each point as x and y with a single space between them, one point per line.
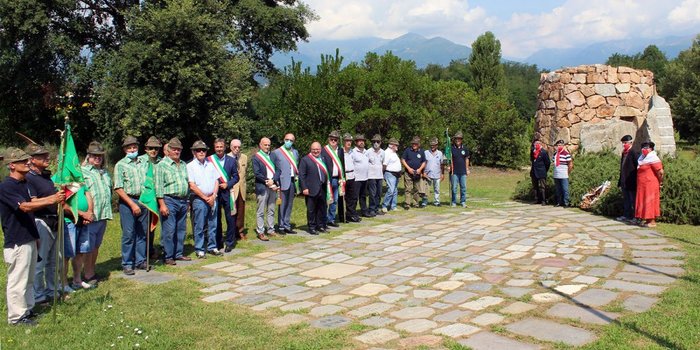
441 51
551 59
409 46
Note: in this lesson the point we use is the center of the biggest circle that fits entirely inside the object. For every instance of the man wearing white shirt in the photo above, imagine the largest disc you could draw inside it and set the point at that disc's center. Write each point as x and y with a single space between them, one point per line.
203 180
350 193
361 161
392 172
434 169
375 175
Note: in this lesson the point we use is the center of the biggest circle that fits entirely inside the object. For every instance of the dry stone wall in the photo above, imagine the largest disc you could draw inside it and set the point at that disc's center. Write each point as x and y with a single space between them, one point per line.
592 106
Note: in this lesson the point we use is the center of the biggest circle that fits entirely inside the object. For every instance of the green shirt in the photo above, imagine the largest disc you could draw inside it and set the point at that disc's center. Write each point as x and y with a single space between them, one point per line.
99 184
171 178
130 175
144 158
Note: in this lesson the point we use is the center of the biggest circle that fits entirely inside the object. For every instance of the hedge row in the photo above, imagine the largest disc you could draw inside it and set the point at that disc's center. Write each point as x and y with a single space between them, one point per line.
680 196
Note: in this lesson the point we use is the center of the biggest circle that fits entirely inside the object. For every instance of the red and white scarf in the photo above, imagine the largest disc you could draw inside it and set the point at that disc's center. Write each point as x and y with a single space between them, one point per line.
650 158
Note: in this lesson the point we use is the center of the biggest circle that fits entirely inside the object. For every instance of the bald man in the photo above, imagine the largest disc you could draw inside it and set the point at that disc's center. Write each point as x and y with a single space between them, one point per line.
314 180
266 189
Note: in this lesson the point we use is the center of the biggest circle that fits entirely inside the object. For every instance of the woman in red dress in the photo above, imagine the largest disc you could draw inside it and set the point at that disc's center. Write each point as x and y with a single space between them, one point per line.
650 178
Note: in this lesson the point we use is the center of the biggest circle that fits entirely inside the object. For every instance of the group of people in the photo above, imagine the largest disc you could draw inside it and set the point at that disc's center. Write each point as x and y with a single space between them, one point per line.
641 179
339 183
345 183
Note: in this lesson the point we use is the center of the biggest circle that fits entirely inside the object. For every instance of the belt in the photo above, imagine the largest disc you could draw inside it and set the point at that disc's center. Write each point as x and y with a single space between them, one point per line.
177 197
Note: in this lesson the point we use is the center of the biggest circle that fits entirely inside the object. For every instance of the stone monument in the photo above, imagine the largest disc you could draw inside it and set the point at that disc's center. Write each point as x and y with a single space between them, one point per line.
591 107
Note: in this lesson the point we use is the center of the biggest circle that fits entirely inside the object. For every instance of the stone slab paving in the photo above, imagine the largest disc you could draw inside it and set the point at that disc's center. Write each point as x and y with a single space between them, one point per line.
525 271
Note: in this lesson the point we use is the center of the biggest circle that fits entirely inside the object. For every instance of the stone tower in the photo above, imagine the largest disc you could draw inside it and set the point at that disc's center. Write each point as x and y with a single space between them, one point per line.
592 107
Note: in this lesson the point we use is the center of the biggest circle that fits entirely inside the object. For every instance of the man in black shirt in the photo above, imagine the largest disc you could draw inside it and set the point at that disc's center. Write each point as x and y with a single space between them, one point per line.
21 236
46 220
459 169
413 160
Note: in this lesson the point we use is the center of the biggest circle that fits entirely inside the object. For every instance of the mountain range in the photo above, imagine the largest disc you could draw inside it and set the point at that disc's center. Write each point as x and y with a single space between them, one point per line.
438 50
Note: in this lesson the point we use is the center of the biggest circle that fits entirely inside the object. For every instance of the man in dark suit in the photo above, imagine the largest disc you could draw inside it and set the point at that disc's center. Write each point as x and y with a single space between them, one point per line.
286 160
538 171
314 180
334 157
227 167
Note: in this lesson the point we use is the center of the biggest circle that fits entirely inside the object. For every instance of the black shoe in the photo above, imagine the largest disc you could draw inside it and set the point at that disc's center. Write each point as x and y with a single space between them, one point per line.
141 266
229 248
215 252
25 321
289 231
129 271
322 230
313 232
354 219
31 314
333 224
379 212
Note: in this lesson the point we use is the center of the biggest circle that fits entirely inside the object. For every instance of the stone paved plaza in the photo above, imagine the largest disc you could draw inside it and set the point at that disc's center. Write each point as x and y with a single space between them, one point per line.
513 277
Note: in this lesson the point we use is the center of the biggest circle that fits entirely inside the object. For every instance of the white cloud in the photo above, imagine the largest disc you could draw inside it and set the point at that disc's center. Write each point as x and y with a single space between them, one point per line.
574 23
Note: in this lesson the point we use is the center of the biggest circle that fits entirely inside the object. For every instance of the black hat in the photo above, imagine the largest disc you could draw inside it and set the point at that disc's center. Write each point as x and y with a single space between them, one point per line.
649 144
626 138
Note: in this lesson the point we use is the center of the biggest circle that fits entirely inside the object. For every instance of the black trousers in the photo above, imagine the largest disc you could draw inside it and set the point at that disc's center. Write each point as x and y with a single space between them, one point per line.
350 200
374 187
360 188
316 208
539 186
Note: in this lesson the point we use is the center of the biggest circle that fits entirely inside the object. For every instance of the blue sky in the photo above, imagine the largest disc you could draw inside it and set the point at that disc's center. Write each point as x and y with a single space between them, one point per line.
523 27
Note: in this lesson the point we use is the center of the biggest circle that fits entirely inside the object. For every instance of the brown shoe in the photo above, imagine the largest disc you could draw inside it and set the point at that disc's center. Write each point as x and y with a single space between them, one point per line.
272 233
262 237
244 236
184 258
170 262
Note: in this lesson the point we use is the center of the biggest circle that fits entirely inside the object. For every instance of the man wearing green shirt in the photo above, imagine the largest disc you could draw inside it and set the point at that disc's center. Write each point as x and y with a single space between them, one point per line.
129 177
152 156
99 183
172 191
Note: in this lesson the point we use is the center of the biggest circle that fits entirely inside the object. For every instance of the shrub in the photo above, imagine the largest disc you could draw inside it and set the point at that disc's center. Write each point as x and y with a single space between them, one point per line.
679 196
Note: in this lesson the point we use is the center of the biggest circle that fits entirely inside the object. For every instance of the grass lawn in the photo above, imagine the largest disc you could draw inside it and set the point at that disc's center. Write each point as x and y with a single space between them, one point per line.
121 314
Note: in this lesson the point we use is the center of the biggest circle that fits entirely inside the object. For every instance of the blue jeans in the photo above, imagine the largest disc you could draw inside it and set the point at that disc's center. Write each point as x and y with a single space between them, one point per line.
203 215
562 188
392 194
333 207
174 227
374 187
436 190
133 235
460 180
230 237
629 197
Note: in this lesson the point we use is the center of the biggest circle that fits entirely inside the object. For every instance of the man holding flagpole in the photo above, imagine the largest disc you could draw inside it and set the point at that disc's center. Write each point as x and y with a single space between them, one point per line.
20 235
286 160
129 177
227 170
315 184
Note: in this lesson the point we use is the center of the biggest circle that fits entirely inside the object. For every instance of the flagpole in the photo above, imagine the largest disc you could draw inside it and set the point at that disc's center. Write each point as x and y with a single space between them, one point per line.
60 250
148 235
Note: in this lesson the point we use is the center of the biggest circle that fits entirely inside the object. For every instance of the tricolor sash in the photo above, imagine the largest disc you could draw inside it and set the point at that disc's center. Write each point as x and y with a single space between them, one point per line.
329 189
293 161
223 177
265 159
336 162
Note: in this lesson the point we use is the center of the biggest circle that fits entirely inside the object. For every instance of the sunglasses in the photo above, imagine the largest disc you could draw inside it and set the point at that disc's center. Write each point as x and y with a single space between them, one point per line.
200 150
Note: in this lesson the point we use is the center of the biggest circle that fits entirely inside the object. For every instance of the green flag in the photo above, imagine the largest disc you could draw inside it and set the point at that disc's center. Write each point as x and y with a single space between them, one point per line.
69 175
448 146
148 197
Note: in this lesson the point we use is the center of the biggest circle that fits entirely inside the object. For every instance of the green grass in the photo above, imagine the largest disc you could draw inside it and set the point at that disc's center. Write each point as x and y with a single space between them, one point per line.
172 315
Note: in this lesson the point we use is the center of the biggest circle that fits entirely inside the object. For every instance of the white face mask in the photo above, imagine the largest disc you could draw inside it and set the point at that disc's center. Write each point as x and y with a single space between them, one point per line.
132 155
376 145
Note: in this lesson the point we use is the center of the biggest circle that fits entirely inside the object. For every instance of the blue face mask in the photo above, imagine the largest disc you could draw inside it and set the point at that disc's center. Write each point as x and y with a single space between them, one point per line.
132 155
288 144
